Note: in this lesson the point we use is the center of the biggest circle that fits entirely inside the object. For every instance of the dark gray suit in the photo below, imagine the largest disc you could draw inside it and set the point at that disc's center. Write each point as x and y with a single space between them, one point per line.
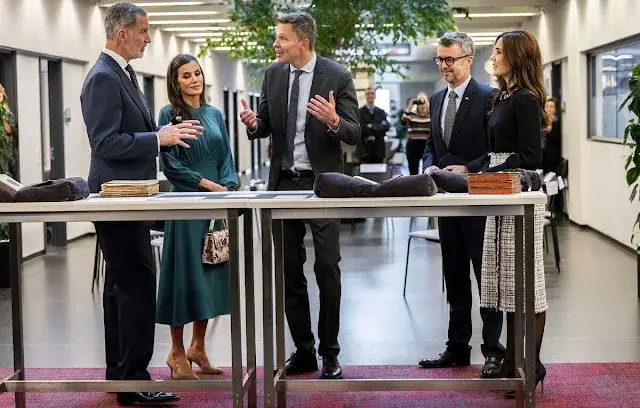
124 146
324 148
461 238
325 154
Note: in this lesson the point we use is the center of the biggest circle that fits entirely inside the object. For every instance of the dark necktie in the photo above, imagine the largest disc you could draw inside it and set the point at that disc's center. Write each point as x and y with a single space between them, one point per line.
292 119
134 81
450 117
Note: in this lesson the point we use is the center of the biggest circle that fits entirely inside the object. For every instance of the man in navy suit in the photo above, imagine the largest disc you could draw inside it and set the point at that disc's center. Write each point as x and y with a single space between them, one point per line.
459 143
125 142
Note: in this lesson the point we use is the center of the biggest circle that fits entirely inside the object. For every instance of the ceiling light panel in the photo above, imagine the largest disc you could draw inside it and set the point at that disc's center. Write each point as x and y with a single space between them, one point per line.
183 13
161 4
199 21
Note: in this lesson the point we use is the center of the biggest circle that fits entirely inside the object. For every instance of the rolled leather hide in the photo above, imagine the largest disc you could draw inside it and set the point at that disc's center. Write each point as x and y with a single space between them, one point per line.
69 189
338 185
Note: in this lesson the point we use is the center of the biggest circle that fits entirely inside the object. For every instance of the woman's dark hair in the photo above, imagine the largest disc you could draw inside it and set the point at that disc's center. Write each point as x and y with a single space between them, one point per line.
178 106
523 55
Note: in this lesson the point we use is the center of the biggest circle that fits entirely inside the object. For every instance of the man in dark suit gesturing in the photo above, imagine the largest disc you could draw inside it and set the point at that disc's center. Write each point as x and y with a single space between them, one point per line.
459 143
309 107
125 142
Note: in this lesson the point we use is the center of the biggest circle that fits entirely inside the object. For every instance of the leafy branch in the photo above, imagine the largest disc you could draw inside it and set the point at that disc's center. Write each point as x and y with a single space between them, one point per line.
349 31
632 139
7 152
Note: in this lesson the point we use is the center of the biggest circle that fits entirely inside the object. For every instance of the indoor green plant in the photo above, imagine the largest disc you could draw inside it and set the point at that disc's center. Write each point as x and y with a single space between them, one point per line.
632 139
7 153
349 31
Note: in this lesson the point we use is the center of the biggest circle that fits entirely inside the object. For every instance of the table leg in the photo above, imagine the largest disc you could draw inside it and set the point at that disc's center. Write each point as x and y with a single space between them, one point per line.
267 309
15 278
236 312
250 309
530 343
280 314
518 338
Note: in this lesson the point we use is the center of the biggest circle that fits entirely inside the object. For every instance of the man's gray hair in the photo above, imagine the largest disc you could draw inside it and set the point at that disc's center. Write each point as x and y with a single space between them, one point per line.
461 39
303 24
121 15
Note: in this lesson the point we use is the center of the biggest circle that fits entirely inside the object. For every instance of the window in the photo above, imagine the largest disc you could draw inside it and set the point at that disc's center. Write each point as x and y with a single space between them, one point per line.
609 71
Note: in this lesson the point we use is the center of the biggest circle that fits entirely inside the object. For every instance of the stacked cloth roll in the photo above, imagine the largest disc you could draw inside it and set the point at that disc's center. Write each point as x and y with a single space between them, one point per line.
338 185
68 189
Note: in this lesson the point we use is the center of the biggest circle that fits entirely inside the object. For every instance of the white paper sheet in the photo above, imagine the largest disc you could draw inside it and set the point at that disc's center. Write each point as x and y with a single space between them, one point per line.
293 196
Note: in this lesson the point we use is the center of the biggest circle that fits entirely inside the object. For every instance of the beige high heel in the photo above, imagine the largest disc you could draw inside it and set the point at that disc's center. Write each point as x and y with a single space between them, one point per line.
200 358
181 368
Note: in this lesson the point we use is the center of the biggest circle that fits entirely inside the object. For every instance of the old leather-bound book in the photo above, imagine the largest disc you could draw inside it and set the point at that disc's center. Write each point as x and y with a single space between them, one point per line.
495 183
130 188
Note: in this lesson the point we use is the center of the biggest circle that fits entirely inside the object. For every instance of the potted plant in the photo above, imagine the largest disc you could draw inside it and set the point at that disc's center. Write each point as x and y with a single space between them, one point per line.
632 139
7 154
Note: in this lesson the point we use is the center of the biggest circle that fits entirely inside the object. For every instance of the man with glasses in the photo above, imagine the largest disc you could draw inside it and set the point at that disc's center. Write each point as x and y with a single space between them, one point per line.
459 143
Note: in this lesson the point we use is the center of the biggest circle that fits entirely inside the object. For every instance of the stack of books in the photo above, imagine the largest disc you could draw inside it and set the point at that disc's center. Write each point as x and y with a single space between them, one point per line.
130 188
495 183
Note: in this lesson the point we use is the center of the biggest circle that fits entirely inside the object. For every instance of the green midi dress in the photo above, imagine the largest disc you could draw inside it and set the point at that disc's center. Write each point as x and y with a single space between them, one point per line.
188 289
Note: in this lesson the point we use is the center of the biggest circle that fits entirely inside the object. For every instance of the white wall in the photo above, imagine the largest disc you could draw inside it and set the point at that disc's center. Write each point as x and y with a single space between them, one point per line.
598 194
73 31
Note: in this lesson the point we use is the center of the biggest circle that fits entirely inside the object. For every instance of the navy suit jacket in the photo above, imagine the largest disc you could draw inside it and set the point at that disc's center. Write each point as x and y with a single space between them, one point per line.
124 145
469 143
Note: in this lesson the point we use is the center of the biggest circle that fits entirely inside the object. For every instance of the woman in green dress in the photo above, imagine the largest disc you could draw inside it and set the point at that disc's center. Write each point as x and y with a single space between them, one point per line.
190 291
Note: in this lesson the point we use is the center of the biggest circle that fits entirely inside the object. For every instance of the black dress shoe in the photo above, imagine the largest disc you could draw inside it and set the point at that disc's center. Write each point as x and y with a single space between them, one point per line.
145 398
301 362
331 369
491 367
448 358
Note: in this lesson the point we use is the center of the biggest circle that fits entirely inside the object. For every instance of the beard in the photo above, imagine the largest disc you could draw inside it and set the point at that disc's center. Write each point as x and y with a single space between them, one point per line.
449 77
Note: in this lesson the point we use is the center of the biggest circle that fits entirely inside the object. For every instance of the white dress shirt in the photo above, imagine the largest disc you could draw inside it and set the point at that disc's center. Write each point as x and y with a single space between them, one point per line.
459 90
123 64
300 156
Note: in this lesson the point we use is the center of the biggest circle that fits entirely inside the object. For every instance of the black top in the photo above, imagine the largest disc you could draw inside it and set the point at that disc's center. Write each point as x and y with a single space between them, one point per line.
515 126
552 148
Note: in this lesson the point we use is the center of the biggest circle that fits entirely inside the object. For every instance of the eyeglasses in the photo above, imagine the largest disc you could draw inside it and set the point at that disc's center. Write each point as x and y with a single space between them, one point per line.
448 60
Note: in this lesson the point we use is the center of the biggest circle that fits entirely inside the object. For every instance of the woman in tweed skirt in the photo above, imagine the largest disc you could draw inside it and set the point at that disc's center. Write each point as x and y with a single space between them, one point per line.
515 139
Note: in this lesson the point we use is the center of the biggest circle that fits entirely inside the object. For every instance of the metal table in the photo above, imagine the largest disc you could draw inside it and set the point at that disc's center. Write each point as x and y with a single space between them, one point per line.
162 207
442 205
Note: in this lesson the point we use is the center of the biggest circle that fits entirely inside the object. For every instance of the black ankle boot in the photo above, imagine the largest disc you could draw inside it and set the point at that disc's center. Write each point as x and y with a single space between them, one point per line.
541 373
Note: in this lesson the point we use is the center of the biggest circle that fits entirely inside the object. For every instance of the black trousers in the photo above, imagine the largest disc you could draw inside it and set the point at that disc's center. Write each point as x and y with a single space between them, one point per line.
129 299
326 235
461 242
415 150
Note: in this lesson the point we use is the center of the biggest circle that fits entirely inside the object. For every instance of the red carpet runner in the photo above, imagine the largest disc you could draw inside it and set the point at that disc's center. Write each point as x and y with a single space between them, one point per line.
567 385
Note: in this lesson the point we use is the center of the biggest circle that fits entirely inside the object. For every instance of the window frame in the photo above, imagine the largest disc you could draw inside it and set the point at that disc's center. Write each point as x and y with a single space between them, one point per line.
589 54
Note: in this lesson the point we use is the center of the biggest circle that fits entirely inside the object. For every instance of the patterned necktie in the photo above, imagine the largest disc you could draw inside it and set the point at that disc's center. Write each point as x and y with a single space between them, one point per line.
450 117
134 81
292 119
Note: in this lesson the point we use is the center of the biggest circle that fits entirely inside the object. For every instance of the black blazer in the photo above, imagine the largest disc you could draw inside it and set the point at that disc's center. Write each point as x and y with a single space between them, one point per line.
371 147
124 145
469 143
323 146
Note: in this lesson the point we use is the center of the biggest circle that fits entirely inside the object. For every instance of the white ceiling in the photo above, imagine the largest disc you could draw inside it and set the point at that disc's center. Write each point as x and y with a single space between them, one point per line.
196 19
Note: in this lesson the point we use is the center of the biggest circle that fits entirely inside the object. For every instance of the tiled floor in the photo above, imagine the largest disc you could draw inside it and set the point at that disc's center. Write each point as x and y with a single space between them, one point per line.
593 315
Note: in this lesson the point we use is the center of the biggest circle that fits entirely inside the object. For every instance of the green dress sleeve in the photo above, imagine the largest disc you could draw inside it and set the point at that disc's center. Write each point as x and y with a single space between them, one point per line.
226 168
180 176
